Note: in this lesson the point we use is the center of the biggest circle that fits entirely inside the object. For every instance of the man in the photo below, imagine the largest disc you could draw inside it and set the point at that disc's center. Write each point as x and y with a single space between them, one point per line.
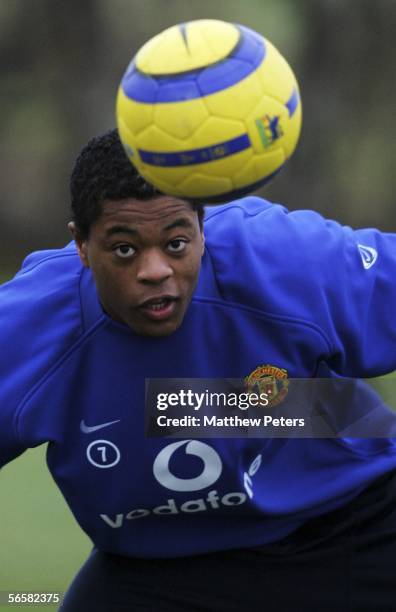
219 524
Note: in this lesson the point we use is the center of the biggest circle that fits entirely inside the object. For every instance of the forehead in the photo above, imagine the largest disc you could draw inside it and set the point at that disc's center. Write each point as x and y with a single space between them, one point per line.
156 212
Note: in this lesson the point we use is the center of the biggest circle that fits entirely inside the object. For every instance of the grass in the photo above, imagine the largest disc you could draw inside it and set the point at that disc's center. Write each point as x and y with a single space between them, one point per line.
386 388
42 546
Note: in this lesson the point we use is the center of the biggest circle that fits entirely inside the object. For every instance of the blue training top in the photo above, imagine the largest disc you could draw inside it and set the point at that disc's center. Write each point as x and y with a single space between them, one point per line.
287 289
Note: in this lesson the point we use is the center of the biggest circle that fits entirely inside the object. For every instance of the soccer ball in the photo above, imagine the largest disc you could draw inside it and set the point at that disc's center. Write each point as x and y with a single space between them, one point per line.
208 110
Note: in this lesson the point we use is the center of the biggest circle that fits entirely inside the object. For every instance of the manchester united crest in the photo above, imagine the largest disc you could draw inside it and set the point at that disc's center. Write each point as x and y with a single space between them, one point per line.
270 380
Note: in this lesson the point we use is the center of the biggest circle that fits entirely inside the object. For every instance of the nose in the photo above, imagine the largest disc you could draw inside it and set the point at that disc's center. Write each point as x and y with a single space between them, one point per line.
153 267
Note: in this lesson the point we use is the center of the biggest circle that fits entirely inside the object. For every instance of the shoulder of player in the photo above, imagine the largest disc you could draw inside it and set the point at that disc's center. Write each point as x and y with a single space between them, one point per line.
40 320
268 258
43 300
45 261
256 231
253 217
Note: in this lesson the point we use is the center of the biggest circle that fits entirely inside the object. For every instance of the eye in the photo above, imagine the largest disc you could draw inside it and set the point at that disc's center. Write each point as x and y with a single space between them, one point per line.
177 246
124 251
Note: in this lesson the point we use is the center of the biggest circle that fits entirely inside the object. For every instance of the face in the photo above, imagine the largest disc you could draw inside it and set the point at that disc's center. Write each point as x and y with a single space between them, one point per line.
145 257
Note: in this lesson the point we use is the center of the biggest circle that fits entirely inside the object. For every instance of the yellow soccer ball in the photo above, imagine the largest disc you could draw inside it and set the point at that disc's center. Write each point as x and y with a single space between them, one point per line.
208 110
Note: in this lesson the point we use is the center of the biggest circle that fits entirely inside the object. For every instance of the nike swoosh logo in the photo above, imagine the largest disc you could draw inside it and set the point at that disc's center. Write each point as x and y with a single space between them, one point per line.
86 429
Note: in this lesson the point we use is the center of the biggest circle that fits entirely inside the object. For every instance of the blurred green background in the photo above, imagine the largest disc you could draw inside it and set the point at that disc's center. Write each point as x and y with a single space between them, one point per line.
41 544
61 64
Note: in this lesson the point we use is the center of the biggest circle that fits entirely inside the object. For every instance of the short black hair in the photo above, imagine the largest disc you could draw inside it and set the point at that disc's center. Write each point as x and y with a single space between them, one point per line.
102 171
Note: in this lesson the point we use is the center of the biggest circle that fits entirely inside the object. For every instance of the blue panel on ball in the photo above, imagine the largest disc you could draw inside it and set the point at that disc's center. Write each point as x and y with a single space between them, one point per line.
242 61
196 156
292 103
166 90
148 86
216 78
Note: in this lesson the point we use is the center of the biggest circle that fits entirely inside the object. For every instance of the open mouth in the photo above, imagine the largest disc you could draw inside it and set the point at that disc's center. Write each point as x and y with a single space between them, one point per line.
159 308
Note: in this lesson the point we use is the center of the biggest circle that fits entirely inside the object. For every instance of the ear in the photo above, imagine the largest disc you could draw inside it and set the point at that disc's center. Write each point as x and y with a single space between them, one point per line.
203 243
81 243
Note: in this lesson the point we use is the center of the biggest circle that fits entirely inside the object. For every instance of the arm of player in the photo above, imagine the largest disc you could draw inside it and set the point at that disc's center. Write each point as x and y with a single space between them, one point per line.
302 266
346 286
362 302
40 318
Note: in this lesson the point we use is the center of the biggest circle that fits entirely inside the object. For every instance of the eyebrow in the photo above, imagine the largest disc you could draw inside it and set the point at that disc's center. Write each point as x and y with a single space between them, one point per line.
121 229
181 222
125 229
